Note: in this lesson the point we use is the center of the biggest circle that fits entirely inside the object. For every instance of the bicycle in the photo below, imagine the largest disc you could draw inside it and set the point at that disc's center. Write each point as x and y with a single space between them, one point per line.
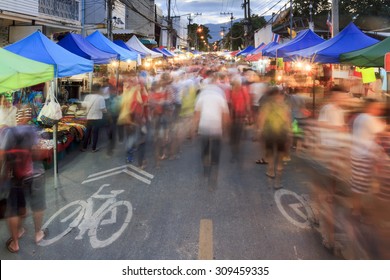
86 219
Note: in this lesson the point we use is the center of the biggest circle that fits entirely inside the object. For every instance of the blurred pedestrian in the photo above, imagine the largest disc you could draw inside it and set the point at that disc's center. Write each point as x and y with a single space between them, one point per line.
366 128
96 106
211 116
26 184
275 126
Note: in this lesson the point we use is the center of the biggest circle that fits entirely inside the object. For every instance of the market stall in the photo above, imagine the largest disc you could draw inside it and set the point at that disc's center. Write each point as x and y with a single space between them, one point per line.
349 39
39 48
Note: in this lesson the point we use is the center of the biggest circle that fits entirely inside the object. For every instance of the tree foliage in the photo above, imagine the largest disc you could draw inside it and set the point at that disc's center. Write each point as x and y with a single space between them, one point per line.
240 37
302 7
195 37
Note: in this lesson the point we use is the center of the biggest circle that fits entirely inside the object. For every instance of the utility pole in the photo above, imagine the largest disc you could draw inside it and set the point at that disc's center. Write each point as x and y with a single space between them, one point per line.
291 19
223 35
247 20
109 19
231 28
335 17
83 18
169 26
190 19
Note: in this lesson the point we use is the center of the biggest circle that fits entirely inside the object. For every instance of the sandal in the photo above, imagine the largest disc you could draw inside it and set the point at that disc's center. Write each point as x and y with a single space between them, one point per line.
8 245
261 161
270 175
45 234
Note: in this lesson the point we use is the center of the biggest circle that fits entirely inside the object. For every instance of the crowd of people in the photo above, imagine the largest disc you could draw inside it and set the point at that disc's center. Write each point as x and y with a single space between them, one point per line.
159 110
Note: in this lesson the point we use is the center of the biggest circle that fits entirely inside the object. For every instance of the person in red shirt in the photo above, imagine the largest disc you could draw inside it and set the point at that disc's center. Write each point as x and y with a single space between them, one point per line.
240 109
17 147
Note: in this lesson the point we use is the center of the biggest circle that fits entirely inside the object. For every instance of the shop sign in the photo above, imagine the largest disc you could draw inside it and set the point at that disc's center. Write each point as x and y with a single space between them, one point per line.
387 62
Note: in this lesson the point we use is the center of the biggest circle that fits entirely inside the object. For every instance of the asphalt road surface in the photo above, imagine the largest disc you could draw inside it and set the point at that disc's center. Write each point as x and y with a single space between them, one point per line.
105 209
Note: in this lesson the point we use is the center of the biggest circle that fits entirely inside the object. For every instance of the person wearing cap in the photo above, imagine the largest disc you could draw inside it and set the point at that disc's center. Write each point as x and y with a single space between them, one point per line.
96 106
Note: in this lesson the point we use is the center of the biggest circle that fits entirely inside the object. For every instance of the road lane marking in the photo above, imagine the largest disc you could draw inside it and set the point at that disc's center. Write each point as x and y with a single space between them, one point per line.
107 171
102 177
206 251
118 170
146 181
295 207
143 172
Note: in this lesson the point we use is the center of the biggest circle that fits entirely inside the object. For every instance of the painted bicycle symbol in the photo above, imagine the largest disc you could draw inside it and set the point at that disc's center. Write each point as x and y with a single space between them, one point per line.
81 214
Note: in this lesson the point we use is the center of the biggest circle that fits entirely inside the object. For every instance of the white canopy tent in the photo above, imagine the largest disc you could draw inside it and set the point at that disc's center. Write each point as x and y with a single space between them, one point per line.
136 44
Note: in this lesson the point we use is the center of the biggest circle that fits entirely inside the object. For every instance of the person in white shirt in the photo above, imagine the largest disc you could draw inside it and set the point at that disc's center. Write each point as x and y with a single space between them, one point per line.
211 114
332 119
366 128
96 106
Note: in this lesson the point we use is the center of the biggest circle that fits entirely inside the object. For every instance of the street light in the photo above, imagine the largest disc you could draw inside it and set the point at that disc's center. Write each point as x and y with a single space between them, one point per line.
311 12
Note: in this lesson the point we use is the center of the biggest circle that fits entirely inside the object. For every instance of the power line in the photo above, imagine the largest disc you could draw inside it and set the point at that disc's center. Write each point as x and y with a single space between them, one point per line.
271 8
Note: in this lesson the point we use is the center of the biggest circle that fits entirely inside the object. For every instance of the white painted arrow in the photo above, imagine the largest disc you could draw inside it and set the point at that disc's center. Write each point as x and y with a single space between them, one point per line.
297 209
118 170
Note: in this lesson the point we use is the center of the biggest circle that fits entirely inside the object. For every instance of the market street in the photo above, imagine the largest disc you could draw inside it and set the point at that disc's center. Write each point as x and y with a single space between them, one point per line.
171 212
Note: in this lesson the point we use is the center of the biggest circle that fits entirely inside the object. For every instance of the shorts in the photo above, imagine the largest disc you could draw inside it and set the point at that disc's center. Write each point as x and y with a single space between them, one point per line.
276 142
29 190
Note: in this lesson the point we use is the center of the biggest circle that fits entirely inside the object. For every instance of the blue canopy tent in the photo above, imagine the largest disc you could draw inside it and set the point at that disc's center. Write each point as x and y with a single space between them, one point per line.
164 52
257 49
98 40
78 45
122 44
268 46
168 52
305 39
40 48
246 51
350 39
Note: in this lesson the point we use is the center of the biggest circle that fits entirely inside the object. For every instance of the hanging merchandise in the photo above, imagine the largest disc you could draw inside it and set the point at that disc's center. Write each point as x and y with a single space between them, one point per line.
51 112
368 74
24 113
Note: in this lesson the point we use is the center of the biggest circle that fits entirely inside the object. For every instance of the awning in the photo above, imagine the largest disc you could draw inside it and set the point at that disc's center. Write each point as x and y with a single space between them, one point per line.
40 48
254 57
373 56
19 72
78 45
102 43
148 41
350 39
135 44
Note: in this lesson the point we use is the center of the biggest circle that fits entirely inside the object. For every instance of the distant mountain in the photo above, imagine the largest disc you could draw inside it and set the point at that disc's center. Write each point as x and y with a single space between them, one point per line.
215 29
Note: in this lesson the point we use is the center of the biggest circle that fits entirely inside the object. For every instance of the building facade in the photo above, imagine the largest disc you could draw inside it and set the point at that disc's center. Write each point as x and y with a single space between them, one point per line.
21 18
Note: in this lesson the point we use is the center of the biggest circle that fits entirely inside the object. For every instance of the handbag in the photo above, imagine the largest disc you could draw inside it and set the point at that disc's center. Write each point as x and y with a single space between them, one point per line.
51 112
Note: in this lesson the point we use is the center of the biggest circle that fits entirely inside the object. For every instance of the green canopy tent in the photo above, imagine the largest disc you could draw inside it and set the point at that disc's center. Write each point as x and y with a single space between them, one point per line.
373 56
19 72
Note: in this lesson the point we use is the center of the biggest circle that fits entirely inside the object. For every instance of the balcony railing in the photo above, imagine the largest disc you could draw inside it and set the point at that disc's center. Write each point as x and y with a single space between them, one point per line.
67 9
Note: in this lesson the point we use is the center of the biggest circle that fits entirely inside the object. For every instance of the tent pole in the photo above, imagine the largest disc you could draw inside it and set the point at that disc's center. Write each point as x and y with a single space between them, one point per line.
55 127
90 78
314 93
